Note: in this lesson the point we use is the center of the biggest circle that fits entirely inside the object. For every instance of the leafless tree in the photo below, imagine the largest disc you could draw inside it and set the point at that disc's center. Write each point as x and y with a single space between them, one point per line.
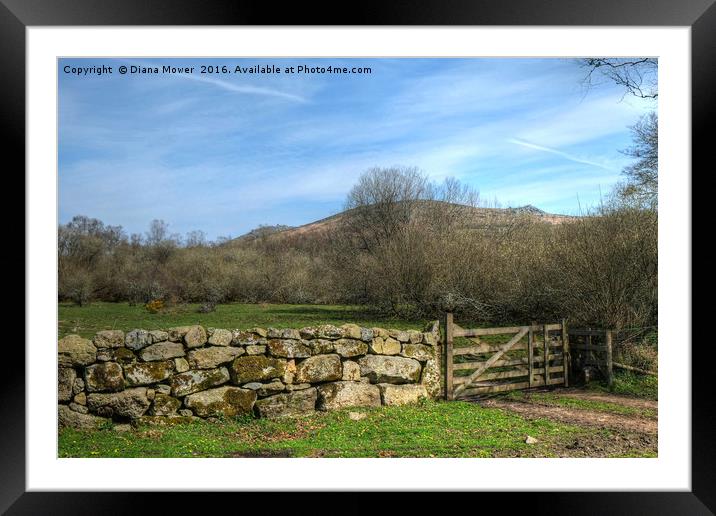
638 76
642 177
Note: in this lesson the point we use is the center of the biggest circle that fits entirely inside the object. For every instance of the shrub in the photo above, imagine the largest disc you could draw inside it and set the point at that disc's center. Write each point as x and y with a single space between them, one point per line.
154 306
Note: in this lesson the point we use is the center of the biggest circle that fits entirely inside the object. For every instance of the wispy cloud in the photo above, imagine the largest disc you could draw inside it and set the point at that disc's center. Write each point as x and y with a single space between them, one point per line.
244 88
557 152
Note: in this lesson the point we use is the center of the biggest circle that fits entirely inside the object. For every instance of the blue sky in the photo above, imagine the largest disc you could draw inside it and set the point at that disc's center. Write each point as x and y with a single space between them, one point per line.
225 153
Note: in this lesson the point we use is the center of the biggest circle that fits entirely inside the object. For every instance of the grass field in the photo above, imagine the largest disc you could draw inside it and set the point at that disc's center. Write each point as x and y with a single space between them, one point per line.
87 320
432 429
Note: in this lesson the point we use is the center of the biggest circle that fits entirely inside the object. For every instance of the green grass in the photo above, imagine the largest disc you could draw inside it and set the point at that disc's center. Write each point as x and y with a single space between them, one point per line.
87 320
556 400
630 384
431 429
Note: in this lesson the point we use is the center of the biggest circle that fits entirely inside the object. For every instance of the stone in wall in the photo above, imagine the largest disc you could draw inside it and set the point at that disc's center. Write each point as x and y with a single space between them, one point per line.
325 331
192 336
104 377
385 346
162 351
78 386
181 365
366 334
430 338
319 368
158 336
419 352
73 350
380 332
287 404
199 380
350 347
350 331
386 369
265 389
162 388
127 403
253 349
211 357
65 380
321 346
415 337
399 335
249 338
287 348
109 339
223 401
164 405
286 333
219 337
338 395
290 373
69 418
431 376
408 394
137 339
148 373
351 371
256 368
77 407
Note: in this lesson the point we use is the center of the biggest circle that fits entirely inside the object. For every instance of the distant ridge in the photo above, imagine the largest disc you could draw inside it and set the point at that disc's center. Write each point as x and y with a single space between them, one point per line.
478 218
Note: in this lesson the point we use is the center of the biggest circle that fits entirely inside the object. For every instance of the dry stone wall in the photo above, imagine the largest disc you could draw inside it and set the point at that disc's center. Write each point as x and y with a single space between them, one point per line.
183 373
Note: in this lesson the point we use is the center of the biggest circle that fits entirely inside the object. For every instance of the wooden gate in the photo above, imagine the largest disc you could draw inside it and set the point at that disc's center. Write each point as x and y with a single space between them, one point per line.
489 360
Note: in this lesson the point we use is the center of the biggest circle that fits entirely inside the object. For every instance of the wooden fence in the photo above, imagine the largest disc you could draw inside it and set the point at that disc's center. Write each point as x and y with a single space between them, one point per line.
593 348
489 360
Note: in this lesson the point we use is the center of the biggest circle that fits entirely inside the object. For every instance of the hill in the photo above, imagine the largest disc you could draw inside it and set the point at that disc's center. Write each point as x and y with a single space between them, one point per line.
475 218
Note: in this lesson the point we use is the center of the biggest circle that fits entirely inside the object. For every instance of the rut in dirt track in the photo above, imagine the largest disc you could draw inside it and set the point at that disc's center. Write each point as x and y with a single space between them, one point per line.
533 409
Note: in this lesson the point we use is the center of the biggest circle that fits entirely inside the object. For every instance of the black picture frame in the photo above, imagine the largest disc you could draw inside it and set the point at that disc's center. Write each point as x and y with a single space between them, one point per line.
700 15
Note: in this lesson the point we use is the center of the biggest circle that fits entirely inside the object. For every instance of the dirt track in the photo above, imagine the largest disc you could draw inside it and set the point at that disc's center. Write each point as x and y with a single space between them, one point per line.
632 433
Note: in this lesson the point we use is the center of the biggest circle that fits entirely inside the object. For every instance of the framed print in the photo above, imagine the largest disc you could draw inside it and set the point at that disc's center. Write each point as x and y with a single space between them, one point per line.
283 251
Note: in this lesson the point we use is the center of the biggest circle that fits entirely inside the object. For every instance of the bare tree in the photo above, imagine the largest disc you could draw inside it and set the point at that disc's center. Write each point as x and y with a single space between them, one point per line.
642 177
637 75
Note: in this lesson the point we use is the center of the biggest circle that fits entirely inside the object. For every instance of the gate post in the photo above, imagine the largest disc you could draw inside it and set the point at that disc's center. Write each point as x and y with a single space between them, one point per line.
545 336
566 357
610 371
449 394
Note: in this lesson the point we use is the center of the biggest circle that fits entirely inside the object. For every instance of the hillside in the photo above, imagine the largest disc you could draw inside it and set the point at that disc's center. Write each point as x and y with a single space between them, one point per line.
475 218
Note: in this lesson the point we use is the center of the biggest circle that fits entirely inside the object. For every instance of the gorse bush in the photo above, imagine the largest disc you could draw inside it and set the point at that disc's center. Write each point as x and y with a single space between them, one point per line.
155 306
405 246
